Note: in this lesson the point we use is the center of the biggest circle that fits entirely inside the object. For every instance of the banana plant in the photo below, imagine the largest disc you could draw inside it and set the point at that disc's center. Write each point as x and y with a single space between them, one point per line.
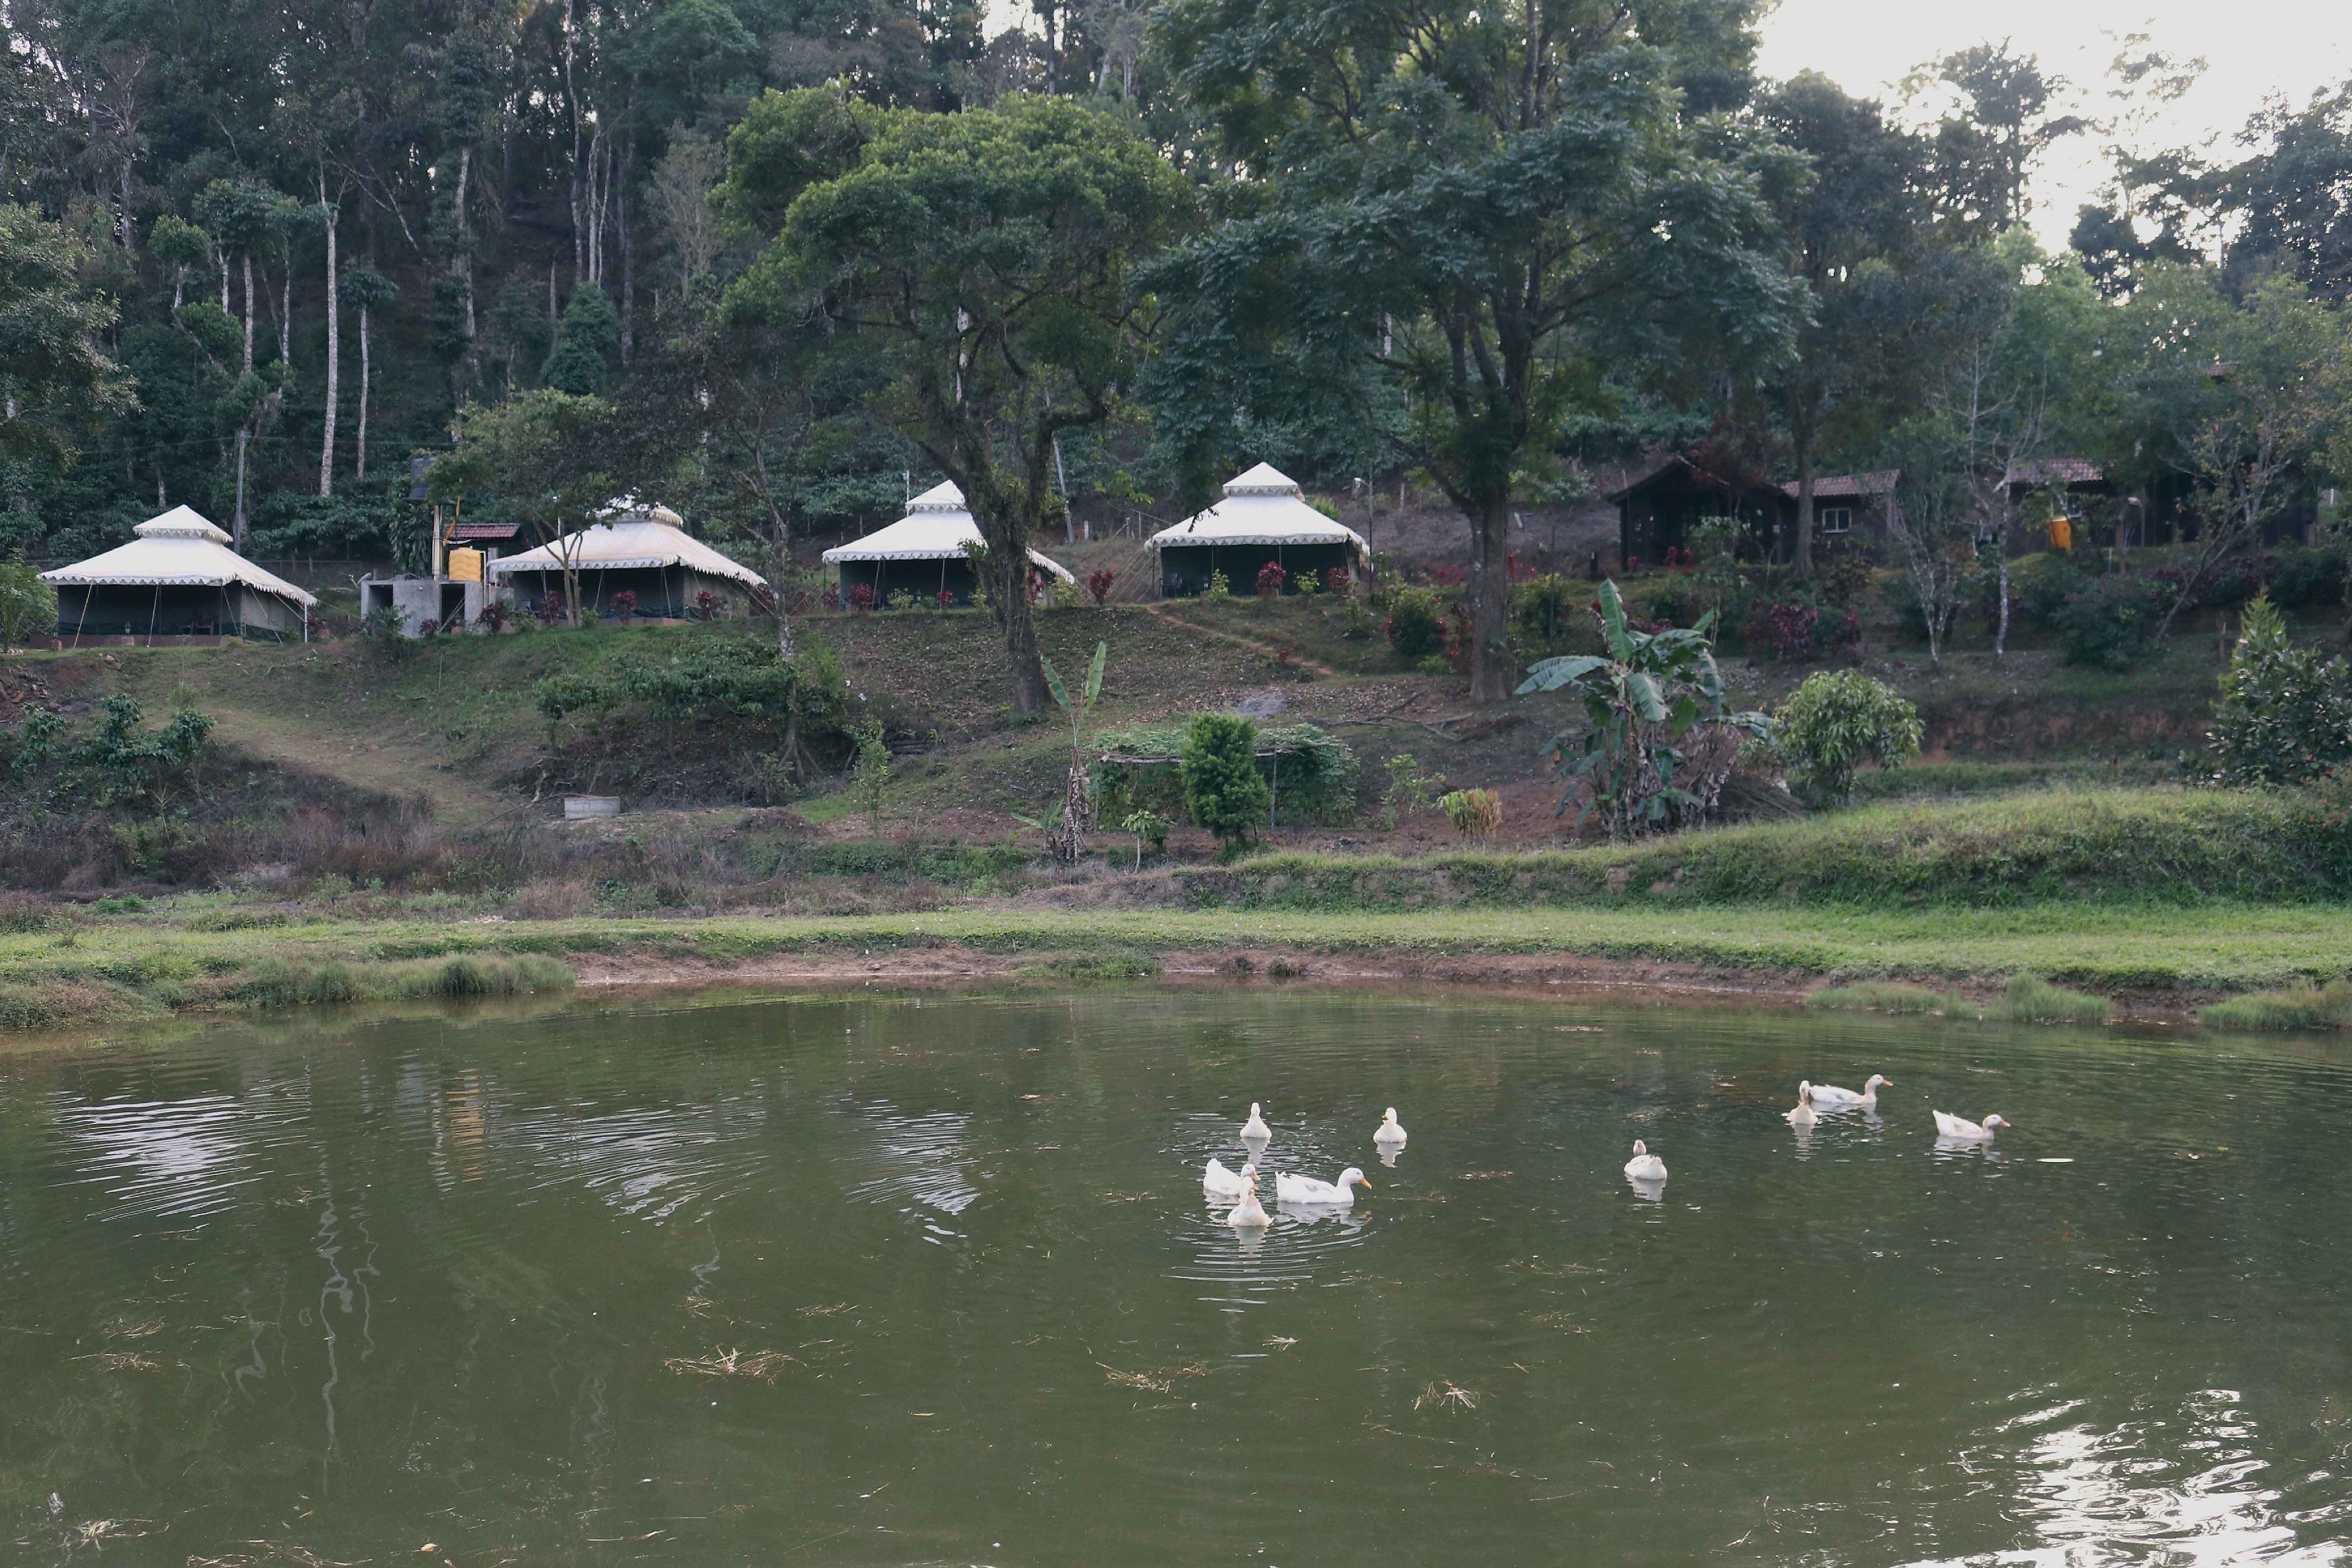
1077 796
1660 740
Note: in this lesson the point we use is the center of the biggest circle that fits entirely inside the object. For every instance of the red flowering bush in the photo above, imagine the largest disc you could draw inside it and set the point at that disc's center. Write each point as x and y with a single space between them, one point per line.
1334 582
1099 583
944 599
861 597
623 604
1270 578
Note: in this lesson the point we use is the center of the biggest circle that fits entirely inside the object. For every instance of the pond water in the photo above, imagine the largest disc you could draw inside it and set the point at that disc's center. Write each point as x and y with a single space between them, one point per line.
930 1280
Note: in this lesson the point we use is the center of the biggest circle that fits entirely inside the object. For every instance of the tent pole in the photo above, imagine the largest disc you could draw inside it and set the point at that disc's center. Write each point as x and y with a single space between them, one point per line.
88 590
155 612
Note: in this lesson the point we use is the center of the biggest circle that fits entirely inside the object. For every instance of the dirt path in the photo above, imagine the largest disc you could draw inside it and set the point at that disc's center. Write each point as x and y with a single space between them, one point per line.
1264 649
950 965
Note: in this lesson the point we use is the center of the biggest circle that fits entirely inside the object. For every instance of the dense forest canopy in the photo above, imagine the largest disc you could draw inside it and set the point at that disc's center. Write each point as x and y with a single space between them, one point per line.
255 255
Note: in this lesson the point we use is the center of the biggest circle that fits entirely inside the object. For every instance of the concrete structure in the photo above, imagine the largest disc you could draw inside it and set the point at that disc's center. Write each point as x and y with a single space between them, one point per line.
450 605
178 579
926 555
1263 517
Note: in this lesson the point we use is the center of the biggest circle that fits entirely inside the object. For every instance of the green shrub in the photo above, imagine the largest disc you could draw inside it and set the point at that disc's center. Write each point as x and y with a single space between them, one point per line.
1223 787
1416 623
1475 813
28 607
1545 615
2302 576
2109 621
1835 720
1311 774
116 762
2043 583
2285 713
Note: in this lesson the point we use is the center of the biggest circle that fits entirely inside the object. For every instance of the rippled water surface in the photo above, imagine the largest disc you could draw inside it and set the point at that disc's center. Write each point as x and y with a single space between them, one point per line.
931 1280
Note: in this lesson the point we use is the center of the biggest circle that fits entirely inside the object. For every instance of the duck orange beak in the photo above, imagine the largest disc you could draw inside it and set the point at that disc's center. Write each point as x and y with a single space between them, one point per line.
1363 1183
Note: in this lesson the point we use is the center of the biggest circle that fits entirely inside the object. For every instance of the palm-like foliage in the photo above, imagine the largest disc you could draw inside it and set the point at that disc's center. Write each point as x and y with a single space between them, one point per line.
1661 741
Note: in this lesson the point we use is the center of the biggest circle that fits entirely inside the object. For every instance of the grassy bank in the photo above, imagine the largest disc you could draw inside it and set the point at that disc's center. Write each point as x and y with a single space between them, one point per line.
119 969
2180 847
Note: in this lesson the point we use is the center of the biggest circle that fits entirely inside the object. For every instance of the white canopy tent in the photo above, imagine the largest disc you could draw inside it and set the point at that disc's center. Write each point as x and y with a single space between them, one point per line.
925 552
636 548
177 577
1263 517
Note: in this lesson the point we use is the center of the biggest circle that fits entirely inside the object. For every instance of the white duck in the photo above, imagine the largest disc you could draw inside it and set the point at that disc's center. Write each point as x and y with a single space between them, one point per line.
1249 1214
1389 1134
1959 1129
1338 1194
1254 1129
1645 1165
1802 1116
1219 1182
1830 1097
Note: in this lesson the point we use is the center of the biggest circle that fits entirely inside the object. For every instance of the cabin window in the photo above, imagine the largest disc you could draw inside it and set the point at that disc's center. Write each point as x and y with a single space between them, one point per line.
1837 519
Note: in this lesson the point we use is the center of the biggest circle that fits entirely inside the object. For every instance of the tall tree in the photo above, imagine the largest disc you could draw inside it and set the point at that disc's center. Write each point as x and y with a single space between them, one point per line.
2293 197
1855 218
984 257
1474 205
2003 115
58 386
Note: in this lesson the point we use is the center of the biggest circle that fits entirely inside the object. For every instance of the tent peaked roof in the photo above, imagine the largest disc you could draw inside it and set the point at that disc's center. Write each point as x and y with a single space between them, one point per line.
937 527
636 536
181 549
182 523
1262 506
1265 479
943 496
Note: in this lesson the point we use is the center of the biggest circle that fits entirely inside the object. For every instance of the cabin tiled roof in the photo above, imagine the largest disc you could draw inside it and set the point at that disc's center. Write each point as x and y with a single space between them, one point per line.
2058 471
1849 487
493 531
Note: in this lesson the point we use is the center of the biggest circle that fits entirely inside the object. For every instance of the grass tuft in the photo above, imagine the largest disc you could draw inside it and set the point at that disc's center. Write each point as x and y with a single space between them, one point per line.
2296 1007
1878 997
468 976
2033 999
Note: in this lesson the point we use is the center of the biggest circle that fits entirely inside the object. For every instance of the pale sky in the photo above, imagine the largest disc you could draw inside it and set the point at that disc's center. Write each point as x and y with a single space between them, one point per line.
2253 49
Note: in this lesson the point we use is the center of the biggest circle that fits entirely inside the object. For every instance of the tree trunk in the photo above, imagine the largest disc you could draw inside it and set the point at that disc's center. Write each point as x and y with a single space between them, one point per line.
222 253
465 267
286 308
335 354
1014 614
236 526
1801 440
248 313
628 259
1490 603
2000 614
359 469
